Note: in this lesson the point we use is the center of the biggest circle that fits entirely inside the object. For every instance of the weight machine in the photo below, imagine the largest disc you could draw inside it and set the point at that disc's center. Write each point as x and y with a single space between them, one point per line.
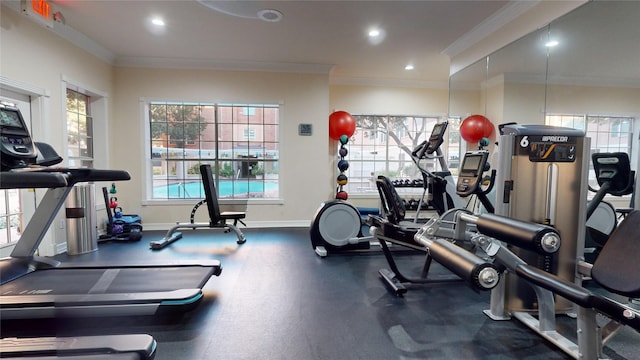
616 270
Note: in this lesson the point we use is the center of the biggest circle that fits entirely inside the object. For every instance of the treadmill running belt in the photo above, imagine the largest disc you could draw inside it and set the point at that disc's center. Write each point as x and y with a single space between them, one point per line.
61 281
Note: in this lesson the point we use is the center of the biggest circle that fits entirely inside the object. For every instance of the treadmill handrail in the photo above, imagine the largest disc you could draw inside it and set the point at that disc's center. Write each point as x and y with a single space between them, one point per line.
53 200
30 180
86 175
57 177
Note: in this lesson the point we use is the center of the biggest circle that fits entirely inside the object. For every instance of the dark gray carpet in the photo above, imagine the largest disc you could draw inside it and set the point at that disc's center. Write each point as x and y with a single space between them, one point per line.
275 299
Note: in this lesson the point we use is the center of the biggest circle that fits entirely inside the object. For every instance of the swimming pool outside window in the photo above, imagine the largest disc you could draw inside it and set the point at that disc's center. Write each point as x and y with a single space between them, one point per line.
239 141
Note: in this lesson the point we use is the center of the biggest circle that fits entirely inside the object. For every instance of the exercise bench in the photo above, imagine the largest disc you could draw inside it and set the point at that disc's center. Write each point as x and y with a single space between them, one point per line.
217 219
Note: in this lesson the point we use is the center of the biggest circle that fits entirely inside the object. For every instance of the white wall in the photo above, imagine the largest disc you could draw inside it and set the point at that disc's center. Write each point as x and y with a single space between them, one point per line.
305 163
381 100
31 57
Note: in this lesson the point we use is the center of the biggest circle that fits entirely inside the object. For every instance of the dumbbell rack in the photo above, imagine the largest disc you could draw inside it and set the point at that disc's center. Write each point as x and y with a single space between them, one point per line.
411 203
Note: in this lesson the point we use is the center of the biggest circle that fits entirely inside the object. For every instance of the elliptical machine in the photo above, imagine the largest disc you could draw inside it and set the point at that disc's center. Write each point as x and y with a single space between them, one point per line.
336 226
615 177
439 188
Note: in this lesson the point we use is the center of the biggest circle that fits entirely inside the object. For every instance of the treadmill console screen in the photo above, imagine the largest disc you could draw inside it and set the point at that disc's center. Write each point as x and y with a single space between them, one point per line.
437 137
16 147
470 176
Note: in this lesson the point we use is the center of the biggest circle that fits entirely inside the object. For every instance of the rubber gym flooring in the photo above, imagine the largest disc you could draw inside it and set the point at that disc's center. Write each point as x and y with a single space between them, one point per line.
275 299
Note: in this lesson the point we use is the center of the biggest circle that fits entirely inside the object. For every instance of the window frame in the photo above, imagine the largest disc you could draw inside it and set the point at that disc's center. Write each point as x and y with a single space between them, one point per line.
88 159
236 117
563 119
355 186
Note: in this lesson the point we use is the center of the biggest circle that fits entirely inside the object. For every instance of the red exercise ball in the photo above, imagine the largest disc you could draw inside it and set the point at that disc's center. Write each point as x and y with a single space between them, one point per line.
341 123
475 127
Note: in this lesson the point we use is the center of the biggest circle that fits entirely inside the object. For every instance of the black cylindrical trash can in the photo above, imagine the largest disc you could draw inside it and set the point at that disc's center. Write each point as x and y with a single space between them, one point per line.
82 230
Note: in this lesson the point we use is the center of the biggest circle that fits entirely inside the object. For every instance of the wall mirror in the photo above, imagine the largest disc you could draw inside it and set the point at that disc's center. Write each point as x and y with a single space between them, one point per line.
589 78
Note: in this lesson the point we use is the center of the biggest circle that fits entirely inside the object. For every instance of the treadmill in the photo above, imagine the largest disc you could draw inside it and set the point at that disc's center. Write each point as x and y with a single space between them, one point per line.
106 347
39 287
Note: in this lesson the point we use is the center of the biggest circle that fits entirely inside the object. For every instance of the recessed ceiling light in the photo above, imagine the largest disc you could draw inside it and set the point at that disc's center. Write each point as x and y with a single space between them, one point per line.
376 35
157 22
551 43
409 67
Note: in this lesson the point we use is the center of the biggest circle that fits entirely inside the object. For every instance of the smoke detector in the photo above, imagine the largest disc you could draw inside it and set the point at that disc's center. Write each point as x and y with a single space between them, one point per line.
270 15
243 9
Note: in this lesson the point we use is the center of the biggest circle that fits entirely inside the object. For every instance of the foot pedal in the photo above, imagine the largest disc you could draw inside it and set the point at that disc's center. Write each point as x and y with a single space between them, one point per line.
321 251
390 279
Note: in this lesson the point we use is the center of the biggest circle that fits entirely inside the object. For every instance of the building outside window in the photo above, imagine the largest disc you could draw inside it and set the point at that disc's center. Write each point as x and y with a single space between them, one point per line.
607 133
382 145
79 130
239 141
10 216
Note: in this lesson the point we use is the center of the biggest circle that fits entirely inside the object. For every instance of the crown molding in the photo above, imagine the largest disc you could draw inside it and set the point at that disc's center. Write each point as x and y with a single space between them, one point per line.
499 19
71 35
383 82
228 65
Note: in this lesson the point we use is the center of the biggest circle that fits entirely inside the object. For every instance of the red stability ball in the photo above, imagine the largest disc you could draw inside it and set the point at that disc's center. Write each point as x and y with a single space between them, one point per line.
475 127
341 123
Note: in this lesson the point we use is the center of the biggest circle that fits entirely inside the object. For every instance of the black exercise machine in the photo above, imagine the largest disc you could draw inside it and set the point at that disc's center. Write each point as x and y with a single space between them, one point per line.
217 219
471 178
615 177
616 270
39 287
438 186
394 229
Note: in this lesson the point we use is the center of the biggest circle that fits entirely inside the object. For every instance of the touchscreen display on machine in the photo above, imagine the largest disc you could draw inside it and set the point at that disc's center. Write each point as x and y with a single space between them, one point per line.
470 172
437 137
9 118
16 148
470 165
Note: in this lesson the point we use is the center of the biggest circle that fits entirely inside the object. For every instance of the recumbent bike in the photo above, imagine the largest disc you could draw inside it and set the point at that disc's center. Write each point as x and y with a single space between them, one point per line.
390 231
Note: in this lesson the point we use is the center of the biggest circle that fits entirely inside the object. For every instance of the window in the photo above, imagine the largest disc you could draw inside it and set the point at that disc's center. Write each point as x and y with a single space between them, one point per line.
382 145
249 134
10 216
79 130
607 133
240 142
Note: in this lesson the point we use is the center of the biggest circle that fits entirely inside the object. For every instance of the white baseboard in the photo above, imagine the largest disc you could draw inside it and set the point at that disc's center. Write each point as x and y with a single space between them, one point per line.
250 225
61 248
